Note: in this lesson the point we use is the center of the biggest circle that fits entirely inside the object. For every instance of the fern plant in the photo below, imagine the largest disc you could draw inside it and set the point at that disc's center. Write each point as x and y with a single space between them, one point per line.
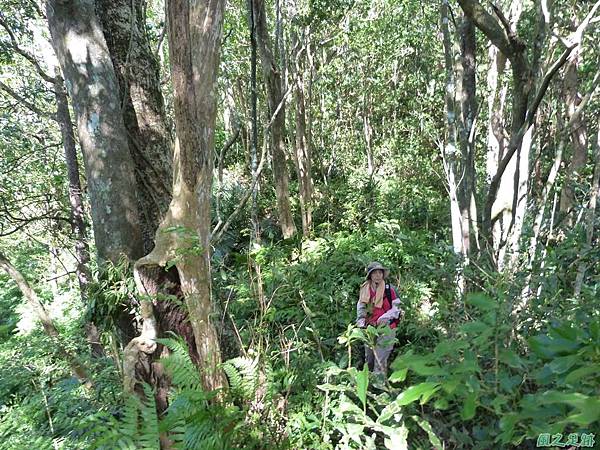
191 421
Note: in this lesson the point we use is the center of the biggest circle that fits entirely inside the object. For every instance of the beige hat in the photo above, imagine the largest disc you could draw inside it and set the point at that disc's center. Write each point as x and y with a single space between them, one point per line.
377 266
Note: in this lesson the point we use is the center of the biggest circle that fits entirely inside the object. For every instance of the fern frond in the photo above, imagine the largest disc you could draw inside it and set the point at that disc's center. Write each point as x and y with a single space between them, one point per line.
243 375
179 365
148 435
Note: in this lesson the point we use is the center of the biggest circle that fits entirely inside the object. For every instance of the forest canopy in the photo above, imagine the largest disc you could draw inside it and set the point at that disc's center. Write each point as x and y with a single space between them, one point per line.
299 224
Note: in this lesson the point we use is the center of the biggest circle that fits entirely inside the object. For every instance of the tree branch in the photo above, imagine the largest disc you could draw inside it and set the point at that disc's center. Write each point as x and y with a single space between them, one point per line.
488 25
26 103
503 20
544 85
26 55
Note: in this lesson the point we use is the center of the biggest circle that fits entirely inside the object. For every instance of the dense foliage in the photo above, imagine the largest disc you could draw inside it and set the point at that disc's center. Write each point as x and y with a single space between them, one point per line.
486 356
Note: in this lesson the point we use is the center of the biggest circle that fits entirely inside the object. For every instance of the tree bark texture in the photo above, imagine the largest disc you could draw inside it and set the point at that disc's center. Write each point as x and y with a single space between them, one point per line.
253 140
142 105
182 239
90 78
272 77
466 65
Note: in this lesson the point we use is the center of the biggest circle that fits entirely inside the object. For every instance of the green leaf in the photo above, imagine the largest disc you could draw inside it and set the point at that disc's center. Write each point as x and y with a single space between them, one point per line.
511 359
476 327
481 301
355 431
388 412
414 392
425 367
563 363
582 372
426 426
398 375
469 407
548 347
362 383
449 347
397 437
595 329
441 403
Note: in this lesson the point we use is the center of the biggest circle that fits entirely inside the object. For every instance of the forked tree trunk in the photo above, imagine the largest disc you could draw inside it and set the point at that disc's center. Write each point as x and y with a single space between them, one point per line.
183 236
90 77
272 75
524 105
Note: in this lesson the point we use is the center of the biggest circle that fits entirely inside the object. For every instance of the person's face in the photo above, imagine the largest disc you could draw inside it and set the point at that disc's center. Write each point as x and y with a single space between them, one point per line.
377 275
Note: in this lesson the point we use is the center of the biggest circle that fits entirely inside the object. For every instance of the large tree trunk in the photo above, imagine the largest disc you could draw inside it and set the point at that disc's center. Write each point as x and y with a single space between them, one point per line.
36 305
85 62
253 141
142 105
183 237
276 100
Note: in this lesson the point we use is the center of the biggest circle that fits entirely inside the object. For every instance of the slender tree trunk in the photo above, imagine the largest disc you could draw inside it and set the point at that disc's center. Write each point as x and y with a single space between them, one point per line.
142 105
579 144
303 150
36 305
496 143
85 62
538 221
253 120
272 77
590 216
450 150
467 66
82 251
368 134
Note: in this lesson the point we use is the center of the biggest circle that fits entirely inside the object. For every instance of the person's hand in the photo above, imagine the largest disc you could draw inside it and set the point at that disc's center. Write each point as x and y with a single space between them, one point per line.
361 323
383 320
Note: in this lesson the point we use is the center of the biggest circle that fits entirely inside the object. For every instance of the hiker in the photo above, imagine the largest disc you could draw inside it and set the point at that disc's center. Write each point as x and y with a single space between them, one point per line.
378 304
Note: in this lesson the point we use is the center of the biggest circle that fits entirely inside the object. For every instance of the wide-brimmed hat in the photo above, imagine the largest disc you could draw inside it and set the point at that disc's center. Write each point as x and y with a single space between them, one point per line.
377 266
